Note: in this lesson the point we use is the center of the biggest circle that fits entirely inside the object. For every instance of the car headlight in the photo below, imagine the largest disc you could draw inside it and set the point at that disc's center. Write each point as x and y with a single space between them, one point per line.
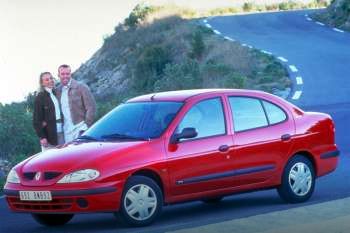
13 177
80 176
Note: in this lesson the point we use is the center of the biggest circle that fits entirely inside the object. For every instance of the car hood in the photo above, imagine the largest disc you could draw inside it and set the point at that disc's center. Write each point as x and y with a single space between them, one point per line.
75 156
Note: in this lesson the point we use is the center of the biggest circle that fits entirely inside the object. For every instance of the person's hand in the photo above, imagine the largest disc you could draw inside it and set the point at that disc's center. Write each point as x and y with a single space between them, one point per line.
81 132
43 142
44 124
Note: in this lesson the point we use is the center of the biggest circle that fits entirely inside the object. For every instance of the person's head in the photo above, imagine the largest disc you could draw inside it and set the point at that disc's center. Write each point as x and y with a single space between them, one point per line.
64 73
46 80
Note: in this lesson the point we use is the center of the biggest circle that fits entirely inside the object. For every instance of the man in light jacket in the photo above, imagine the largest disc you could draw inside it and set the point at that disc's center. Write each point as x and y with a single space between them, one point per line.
77 104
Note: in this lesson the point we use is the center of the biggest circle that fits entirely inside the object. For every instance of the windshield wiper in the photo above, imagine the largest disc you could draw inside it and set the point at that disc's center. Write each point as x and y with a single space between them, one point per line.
123 136
86 137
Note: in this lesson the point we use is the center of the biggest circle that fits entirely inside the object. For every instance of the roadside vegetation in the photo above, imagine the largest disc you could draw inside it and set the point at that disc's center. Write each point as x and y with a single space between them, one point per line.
283 6
167 48
336 15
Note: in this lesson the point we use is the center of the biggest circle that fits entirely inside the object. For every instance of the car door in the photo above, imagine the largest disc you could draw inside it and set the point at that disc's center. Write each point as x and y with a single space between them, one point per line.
194 164
262 138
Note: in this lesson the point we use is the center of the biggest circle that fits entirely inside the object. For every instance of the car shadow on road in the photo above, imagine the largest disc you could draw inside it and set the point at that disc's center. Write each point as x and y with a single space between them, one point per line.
174 217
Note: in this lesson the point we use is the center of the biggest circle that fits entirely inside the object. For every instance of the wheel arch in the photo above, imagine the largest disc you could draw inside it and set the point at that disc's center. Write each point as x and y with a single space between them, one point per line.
308 155
152 175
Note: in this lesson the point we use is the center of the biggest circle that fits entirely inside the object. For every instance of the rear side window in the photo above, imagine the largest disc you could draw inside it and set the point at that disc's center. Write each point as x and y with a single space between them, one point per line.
247 113
207 117
274 113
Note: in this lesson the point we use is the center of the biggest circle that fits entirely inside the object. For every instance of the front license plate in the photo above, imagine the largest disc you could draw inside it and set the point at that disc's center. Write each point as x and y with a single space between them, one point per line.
35 195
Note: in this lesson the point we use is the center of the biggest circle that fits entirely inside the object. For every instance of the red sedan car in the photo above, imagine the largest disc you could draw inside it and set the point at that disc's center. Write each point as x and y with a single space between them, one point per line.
171 147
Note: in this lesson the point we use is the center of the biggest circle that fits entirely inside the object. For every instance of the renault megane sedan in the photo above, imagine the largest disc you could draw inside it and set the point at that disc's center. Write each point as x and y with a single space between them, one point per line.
171 147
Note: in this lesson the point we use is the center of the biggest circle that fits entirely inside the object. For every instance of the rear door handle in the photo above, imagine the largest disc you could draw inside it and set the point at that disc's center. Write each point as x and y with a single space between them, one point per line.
223 148
286 137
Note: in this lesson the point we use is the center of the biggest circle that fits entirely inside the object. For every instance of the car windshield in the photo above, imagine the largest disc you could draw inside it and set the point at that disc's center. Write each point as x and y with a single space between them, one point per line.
134 121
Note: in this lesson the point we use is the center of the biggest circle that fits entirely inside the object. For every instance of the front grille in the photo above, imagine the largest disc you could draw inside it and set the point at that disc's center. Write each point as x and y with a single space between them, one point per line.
47 175
55 204
29 175
51 175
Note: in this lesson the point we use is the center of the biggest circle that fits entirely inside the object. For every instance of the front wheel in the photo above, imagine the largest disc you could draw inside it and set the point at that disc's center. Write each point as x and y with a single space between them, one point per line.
298 180
52 219
141 202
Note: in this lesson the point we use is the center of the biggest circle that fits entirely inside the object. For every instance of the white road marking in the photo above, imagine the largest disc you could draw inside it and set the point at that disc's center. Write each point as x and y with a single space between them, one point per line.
283 59
299 80
266 52
308 19
306 15
293 68
249 46
245 45
208 25
217 32
205 21
297 95
319 23
229 38
338 30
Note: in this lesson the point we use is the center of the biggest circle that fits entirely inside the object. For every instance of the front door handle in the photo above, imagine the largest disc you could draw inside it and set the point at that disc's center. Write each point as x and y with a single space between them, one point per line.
286 137
224 148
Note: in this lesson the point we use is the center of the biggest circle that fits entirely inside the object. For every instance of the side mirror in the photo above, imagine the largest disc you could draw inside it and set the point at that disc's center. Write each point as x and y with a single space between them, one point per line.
186 133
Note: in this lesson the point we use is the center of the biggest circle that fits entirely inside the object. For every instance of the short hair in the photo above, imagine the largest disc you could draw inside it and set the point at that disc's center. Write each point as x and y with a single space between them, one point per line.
63 66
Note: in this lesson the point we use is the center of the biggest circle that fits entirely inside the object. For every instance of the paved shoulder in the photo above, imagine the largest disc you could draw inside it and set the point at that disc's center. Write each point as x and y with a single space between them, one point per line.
333 216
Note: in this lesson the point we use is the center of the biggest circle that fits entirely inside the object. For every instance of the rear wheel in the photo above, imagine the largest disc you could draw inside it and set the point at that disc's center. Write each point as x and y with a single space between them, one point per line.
52 219
141 202
298 180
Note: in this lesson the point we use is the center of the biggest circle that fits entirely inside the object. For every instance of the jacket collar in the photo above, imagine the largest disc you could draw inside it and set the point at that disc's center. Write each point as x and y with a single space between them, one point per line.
72 84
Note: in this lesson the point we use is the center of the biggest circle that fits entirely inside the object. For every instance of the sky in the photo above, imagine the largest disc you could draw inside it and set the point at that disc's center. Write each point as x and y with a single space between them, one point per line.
40 35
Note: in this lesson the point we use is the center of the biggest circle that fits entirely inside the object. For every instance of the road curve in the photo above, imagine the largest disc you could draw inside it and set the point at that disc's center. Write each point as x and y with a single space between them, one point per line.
321 56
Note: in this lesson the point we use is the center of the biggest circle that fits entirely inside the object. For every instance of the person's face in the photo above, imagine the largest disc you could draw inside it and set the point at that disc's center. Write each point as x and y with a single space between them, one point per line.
65 75
47 81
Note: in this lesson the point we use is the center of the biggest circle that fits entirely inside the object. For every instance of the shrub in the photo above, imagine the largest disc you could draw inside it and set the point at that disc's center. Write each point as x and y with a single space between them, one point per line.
218 75
248 6
180 76
198 46
150 66
138 14
17 135
283 6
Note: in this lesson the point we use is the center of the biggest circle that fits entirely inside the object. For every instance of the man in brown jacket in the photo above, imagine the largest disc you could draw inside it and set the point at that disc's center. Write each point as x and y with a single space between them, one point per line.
77 104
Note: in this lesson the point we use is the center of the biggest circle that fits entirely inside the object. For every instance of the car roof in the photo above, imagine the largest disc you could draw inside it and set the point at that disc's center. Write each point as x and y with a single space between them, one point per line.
183 95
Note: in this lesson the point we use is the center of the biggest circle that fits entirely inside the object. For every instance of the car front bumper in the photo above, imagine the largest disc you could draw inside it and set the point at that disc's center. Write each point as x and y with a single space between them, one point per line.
100 198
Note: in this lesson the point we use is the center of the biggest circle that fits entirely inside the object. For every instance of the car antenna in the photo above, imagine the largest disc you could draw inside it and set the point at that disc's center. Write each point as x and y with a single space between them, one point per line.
152 97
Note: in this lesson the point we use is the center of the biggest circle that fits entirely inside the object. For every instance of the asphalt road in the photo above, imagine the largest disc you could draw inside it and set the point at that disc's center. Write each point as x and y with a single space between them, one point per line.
322 58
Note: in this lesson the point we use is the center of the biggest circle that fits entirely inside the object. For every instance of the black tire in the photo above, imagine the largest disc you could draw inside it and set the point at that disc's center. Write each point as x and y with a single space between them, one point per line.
52 219
135 183
285 190
214 200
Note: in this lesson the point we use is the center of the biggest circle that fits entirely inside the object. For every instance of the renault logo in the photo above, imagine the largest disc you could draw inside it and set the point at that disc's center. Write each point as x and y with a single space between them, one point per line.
37 176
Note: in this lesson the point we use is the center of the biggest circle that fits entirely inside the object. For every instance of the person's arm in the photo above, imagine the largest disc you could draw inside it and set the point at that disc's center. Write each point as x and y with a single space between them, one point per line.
90 105
38 117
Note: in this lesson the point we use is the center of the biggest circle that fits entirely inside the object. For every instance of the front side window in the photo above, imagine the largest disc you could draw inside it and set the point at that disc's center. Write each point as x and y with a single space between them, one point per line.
207 117
247 113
